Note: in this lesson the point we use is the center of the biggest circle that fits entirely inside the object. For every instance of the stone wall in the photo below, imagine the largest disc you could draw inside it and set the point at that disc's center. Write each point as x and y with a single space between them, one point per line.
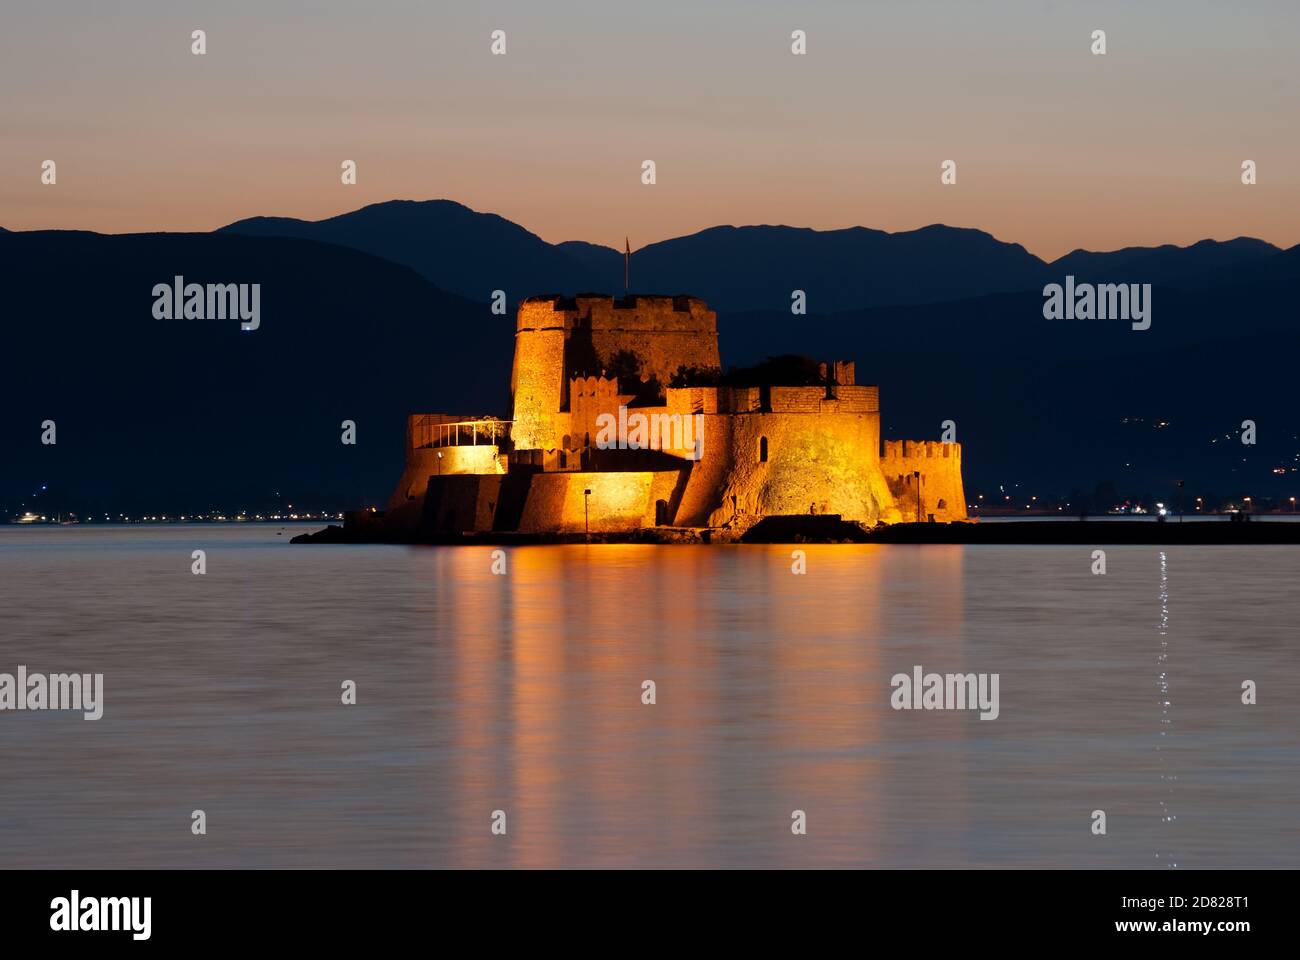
423 463
941 491
764 464
557 338
619 502
537 382
589 397
458 503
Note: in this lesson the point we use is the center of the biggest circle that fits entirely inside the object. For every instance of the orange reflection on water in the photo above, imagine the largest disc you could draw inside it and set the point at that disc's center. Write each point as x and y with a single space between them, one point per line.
748 660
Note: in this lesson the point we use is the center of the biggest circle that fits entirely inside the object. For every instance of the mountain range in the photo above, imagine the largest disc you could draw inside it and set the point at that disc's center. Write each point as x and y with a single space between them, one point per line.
737 269
384 312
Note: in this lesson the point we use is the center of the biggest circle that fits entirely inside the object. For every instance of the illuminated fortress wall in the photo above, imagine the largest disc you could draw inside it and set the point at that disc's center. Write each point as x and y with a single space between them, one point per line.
557 338
803 452
940 487
619 501
423 461
537 377
665 332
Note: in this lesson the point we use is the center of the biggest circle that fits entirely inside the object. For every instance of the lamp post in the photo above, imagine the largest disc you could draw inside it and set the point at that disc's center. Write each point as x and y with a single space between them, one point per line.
440 463
1180 501
586 513
917 475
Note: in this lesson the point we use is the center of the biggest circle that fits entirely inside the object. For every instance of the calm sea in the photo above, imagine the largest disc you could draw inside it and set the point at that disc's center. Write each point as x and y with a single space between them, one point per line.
522 693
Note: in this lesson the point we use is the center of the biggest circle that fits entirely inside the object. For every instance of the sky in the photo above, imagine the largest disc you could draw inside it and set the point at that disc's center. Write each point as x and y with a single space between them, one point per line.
1056 148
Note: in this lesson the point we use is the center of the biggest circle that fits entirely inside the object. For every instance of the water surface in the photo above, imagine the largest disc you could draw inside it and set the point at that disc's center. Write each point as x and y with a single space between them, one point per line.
522 693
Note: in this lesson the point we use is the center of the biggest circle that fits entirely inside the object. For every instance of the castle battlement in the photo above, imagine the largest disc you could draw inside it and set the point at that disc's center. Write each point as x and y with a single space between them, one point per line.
810 399
920 450
600 388
633 313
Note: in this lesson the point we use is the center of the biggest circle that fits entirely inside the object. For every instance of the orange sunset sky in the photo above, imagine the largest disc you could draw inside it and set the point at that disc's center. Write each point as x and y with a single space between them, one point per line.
1055 148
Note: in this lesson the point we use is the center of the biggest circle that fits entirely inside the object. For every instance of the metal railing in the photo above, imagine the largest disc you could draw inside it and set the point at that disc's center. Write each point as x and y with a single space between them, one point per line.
430 431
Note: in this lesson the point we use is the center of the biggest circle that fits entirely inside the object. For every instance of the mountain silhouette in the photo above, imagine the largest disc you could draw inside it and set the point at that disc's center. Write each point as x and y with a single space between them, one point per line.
750 268
739 268
604 262
464 252
1167 265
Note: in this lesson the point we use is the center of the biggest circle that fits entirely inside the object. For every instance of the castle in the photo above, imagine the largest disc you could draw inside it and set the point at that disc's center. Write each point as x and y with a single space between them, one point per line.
622 420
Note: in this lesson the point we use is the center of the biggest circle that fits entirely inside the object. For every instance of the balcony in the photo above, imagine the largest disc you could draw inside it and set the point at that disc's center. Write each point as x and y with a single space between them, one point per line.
432 430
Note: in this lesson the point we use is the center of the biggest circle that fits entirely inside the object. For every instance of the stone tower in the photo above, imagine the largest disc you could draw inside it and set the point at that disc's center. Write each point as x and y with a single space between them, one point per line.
559 338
